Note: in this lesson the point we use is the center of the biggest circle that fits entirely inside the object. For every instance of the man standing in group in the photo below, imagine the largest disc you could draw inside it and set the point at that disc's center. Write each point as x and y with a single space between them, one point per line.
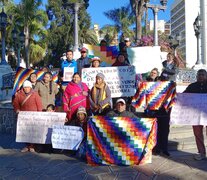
83 61
70 62
200 86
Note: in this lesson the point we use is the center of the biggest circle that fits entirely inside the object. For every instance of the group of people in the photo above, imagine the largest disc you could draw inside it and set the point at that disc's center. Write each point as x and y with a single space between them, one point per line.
78 101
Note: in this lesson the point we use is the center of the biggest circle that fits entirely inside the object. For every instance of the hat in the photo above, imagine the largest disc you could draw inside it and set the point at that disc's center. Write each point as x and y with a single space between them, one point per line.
81 109
120 101
100 75
126 39
96 58
27 84
83 49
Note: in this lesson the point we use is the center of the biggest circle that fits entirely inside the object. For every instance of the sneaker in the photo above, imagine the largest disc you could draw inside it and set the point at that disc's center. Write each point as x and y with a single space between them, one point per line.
31 149
199 157
25 149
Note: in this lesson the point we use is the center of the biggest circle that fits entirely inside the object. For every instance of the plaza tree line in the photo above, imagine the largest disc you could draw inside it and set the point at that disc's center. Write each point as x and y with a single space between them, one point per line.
49 30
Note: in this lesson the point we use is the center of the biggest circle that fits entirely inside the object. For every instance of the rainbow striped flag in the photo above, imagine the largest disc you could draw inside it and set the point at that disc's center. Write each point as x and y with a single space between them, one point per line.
154 95
120 140
107 54
23 74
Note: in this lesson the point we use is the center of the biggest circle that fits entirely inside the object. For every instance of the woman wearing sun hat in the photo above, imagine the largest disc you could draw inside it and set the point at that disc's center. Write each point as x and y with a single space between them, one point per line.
95 62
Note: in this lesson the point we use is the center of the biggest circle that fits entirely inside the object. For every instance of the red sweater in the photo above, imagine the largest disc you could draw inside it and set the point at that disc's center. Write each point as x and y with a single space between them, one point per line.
33 103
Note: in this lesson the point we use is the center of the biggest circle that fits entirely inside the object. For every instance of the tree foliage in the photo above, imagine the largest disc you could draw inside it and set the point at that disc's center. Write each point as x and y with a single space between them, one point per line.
61 28
123 19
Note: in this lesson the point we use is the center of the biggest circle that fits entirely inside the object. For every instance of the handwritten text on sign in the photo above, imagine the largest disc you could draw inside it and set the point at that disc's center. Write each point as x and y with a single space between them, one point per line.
68 73
36 127
67 137
190 109
121 80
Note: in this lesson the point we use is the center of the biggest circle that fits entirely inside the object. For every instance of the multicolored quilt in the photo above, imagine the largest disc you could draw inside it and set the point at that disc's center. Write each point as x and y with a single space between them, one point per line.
23 74
153 95
120 140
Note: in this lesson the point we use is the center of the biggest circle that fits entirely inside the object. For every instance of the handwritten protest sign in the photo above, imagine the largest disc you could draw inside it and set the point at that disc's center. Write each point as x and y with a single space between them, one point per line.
121 80
36 127
190 109
67 137
68 73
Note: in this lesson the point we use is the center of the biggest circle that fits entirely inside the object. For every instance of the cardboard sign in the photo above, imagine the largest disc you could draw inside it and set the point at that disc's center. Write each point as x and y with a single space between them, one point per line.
68 73
67 137
121 80
145 61
36 127
190 109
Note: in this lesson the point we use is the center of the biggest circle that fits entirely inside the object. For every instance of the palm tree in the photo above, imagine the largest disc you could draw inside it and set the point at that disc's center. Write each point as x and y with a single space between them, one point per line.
138 9
28 13
123 19
110 33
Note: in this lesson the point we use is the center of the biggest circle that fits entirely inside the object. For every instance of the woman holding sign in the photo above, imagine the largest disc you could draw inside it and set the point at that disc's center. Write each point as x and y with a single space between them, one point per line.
75 95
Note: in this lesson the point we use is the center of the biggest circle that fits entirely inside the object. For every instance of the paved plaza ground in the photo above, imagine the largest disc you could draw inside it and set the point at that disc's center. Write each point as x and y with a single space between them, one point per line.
17 165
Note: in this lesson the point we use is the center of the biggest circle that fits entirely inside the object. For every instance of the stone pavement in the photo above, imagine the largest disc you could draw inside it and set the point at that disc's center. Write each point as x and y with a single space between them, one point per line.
23 166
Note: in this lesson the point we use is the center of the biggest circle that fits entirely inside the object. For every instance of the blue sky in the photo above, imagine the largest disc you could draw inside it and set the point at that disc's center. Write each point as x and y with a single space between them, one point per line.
96 10
97 7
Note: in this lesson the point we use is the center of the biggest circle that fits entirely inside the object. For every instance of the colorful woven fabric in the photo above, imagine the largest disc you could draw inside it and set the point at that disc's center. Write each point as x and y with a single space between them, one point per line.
107 54
153 95
120 140
23 74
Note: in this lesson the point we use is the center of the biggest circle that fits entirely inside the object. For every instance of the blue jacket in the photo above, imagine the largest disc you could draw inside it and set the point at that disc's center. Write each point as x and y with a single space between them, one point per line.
67 63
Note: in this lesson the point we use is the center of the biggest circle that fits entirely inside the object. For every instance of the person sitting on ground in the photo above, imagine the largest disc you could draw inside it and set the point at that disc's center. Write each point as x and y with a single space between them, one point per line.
154 75
100 97
81 121
50 108
27 100
95 62
120 61
120 110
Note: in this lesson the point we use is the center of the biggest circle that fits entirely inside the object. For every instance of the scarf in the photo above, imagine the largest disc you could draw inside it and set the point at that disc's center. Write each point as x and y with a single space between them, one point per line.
102 88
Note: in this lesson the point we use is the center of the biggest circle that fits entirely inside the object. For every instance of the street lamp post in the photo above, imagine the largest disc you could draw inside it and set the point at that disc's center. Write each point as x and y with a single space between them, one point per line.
18 42
197 29
3 24
156 8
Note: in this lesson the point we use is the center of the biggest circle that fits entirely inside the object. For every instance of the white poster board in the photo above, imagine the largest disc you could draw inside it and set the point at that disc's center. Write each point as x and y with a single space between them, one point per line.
36 127
145 58
68 73
190 109
67 137
121 80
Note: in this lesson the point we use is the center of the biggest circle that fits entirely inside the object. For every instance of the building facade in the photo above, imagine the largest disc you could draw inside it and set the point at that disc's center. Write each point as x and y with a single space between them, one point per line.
183 15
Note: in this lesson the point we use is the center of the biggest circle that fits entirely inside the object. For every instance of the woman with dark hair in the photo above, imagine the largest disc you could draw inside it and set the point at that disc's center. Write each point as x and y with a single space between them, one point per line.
33 79
75 95
47 90
169 68
120 61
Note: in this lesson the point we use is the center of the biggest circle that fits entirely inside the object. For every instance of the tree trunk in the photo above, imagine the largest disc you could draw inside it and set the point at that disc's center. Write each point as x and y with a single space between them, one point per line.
27 46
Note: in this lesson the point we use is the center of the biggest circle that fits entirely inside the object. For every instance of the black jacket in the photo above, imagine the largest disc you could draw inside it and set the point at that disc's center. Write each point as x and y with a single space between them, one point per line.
196 87
116 113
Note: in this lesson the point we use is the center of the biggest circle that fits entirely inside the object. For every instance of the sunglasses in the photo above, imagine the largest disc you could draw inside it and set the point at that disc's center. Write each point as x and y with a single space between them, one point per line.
83 52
